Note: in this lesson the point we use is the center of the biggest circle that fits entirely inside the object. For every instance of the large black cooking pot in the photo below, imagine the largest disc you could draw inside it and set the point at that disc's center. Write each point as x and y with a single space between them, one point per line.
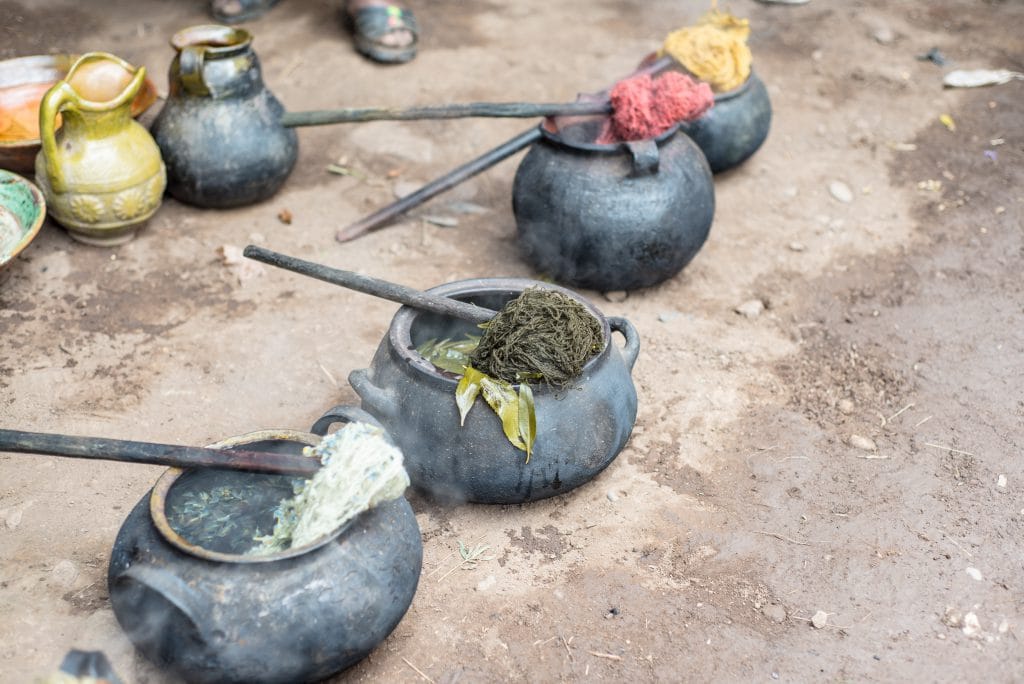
295 616
735 127
611 216
580 430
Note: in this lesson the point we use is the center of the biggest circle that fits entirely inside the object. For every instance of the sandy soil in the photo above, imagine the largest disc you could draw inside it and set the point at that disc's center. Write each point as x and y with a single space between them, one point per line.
739 509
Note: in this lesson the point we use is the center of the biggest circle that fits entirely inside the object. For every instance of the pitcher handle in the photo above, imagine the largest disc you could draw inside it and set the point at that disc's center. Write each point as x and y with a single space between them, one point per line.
172 589
53 104
645 157
632 348
346 414
190 69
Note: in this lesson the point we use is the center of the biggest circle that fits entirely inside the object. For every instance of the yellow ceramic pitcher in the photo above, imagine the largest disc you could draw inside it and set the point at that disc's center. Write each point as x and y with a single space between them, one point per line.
101 171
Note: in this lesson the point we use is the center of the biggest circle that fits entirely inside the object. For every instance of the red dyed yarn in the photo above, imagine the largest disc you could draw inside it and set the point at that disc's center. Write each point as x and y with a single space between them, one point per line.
645 108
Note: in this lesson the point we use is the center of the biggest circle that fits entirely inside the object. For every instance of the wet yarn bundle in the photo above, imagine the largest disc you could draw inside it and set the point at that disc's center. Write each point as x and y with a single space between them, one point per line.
645 107
539 335
714 50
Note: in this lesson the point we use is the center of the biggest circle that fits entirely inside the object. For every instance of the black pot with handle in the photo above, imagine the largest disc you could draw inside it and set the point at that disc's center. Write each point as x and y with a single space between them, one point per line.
210 615
580 429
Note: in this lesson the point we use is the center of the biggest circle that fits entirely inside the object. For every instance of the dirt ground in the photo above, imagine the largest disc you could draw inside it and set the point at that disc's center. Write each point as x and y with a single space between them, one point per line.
741 506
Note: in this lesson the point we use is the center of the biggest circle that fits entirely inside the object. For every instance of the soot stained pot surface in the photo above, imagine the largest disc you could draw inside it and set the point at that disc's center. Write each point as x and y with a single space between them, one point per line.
580 430
611 217
732 130
279 619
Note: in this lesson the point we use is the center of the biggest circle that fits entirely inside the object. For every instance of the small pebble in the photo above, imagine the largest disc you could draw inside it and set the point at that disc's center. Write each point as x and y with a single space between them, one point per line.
846 407
616 296
751 308
775 613
974 574
790 192
667 316
819 620
971 626
841 191
953 618
797 247
64 573
1001 481
884 35
486 583
12 518
612 495
863 443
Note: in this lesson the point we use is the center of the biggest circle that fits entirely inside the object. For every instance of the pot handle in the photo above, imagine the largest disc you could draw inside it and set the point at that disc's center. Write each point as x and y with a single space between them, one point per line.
632 348
645 157
374 398
190 69
343 414
172 589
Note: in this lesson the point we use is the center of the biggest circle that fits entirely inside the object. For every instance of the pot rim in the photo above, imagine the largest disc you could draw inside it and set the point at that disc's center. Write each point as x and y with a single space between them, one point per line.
741 89
400 338
606 148
158 504
234 38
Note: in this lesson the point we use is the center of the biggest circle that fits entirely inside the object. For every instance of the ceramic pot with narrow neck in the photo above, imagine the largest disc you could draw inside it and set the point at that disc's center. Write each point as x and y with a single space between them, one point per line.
220 130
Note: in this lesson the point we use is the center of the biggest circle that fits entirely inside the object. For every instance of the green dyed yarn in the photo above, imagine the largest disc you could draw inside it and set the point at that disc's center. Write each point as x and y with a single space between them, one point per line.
541 334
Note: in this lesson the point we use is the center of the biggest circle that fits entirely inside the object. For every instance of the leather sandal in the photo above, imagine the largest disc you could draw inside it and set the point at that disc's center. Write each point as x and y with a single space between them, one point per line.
373 22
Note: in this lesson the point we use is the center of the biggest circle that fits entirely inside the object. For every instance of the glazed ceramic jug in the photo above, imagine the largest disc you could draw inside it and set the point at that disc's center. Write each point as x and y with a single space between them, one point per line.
100 171
220 131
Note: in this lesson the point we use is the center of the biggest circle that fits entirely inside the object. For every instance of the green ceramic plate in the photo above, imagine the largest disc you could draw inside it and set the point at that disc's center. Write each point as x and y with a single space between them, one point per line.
22 210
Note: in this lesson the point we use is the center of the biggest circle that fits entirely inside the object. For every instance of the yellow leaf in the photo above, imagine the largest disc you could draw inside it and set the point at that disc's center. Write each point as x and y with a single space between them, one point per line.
947 121
467 391
504 401
527 419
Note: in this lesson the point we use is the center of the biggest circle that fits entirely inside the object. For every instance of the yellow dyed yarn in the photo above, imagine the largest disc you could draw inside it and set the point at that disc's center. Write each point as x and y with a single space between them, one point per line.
714 49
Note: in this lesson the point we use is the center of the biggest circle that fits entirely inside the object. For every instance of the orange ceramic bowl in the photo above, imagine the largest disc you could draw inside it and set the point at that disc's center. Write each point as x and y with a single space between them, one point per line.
23 82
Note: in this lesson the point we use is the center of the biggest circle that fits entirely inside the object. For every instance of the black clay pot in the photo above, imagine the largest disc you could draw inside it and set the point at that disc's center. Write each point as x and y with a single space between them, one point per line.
296 616
219 132
612 217
580 430
735 127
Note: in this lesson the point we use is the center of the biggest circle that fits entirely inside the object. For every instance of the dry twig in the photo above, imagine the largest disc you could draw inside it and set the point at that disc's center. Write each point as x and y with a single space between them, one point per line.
950 449
418 671
608 656
787 539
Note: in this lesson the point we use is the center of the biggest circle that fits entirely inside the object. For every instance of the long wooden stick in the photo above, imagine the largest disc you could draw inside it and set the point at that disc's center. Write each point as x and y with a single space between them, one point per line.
522 110
372 286
128 451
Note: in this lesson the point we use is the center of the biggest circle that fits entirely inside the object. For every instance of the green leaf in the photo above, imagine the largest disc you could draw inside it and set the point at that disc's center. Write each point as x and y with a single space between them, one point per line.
527 419
467 391
449 355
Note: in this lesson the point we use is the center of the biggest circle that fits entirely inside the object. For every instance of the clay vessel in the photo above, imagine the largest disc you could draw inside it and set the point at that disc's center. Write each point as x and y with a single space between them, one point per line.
611 217
735 127
220 129
580 430
101 173
295 616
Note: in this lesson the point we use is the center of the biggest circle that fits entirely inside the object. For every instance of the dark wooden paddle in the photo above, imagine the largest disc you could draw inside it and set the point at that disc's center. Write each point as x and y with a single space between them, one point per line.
373 286
505 110
128 451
